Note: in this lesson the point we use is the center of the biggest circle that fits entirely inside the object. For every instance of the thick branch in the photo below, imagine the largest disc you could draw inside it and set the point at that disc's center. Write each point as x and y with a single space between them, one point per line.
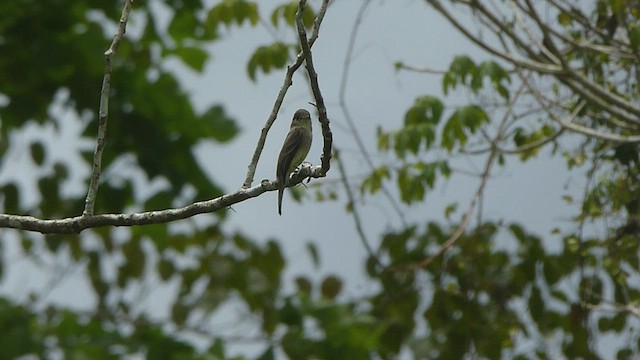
76 224
530 65
103 112
573 126
291 69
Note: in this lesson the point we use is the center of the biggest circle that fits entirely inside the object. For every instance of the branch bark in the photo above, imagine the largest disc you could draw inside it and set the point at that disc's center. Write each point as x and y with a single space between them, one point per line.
75 225
291 69
103 112
327 136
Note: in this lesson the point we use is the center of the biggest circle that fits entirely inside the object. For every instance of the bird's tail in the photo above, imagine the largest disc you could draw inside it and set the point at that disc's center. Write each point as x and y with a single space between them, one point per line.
280 193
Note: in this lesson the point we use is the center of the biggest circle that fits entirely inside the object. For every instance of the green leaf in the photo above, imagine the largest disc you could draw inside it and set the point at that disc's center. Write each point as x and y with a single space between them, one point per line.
420 124
228 12
217 349
634 37
565 19
193 56
287 12
426 109
465 120
268 354
330 287
413 180
312 249
221 126
384 139
18 337
462 67
37 153
182 25
498 76
303 284
373 182
267 57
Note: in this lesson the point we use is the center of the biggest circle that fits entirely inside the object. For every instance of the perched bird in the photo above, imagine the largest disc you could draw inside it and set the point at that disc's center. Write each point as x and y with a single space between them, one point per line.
295 148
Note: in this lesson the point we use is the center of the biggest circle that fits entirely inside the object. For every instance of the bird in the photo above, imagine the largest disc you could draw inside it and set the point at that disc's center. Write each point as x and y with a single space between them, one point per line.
294 150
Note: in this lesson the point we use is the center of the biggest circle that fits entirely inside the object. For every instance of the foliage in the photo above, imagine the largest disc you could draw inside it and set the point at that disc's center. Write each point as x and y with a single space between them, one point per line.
499 292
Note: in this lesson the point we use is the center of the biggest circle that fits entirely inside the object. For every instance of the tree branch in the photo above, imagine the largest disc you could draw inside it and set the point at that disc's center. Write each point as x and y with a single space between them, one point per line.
325 158
480 190
354 211
577 82
573 126
347 114
291 69
530 65
103 112
75 225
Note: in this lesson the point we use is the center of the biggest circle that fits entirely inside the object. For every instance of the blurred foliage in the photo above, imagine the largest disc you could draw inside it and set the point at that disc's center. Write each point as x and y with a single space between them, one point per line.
479 300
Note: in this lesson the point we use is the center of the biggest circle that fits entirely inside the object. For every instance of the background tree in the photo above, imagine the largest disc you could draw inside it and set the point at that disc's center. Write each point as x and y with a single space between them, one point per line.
561 77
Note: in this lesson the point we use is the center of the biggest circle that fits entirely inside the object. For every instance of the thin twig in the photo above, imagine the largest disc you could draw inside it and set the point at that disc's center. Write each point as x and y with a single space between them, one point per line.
291 69
354 210
103 112
521 149
403 66
483 182
630 309
345 110
467 215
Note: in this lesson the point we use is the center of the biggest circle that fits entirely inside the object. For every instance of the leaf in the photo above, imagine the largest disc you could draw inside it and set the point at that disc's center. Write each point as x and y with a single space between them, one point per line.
267 57
221 126
466 119
565 19
419 126
373 182
312 249
217 349
193 56
496 74
228 12
450 209
384 139
461 68
426 109
10 197
413 180
166 269
18 336
634 37
182 25
287 12
303 284
37 152
330 287
268 354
